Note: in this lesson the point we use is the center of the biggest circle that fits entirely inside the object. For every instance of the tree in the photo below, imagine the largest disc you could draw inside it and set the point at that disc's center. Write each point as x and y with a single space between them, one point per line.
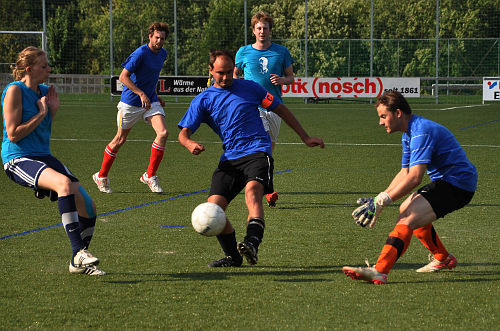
63 40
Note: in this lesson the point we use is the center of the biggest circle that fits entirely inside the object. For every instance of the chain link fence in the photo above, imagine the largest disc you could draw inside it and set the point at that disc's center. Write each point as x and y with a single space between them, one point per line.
443 42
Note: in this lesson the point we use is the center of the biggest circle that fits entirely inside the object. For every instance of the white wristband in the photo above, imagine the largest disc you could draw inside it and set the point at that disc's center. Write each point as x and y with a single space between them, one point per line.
383 199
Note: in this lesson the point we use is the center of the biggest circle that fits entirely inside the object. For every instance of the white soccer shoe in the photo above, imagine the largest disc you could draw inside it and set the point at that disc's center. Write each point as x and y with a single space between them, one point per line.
88 270
102 183
434 265
84 259
369 274
152 182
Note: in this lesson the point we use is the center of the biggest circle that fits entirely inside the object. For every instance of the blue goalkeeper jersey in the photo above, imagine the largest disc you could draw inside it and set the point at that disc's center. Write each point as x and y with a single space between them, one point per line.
427 142
37 142
259 64
144 66
233 114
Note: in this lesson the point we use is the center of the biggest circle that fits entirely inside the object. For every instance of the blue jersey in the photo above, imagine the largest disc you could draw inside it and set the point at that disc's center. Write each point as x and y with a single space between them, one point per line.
233 114
145 66
427 142
37 143
259 64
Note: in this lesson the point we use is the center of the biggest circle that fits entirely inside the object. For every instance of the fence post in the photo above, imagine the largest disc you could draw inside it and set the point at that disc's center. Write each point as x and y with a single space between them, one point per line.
437 52
111 65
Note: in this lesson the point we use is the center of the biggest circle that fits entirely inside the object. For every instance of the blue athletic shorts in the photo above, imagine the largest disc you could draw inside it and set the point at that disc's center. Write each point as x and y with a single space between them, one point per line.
25 171
444 197
232 176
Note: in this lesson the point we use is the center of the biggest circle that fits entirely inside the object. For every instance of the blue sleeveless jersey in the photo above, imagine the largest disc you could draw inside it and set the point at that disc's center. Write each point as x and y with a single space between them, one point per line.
144 66
259 64
233 115
37 143
427 142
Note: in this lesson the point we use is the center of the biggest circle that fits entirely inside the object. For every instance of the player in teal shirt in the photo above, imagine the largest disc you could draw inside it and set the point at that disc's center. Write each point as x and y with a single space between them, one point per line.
270 65
29 108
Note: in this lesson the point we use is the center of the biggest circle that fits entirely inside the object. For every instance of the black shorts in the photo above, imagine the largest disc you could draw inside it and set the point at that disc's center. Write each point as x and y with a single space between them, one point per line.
444 197
26 170
232 176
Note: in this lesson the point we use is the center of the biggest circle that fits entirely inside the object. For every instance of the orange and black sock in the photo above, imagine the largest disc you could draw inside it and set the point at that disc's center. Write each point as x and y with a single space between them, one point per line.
394 247
428 236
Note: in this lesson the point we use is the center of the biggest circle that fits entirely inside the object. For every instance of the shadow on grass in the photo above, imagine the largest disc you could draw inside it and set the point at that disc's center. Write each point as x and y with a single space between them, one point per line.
311 274
245 271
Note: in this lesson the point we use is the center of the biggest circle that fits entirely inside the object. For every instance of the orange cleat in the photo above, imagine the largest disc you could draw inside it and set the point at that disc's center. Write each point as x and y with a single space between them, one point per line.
271 199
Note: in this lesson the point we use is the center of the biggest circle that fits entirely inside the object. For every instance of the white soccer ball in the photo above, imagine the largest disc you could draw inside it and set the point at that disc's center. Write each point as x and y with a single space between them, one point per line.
208 219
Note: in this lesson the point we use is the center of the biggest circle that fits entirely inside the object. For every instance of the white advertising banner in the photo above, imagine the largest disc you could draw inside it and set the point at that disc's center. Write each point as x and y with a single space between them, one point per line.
350 87
491 88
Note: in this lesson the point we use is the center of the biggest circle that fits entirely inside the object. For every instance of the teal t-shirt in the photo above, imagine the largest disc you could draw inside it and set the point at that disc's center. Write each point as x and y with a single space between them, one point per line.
37 143
259 64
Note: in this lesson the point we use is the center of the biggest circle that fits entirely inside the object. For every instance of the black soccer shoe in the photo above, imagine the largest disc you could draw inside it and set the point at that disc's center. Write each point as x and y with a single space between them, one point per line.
247 249
225 262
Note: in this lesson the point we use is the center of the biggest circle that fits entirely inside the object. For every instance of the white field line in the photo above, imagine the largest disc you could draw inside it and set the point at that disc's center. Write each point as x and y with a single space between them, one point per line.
278 143
458 107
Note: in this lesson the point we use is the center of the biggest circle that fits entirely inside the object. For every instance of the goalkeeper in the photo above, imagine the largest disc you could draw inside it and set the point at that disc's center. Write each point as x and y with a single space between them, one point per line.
427 146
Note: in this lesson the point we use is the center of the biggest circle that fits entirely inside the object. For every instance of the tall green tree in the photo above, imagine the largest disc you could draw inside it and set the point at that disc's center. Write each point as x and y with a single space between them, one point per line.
64 40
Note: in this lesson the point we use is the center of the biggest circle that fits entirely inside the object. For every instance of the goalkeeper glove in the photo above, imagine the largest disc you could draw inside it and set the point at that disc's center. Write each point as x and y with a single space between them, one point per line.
367 214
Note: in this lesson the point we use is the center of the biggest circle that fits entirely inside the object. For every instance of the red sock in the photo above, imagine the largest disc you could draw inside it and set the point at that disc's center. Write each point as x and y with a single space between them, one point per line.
107 161
157 152
394 247
428 236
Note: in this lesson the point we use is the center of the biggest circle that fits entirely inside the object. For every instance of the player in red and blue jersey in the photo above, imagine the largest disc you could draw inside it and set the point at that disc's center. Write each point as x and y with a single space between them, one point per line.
230 108
427 147
139 101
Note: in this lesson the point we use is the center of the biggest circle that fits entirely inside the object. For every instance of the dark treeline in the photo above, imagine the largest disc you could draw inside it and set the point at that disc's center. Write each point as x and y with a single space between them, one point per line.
78 34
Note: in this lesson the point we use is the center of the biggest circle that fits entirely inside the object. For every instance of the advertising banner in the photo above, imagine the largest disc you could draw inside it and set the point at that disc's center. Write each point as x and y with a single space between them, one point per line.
491 88
169 85
304 87
351 87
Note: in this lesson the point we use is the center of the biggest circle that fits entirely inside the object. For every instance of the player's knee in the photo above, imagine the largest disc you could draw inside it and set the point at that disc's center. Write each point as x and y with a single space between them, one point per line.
162 135
119 142
63 186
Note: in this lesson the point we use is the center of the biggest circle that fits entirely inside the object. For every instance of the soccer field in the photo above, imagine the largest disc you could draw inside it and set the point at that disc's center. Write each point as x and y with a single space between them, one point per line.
157 274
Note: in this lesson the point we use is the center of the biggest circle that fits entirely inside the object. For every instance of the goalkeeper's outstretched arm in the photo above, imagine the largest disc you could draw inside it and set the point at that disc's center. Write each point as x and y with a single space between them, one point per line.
405 181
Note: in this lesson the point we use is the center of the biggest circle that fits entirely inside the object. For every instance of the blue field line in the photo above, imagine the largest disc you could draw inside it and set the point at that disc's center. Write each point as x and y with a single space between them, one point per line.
480 124
122 210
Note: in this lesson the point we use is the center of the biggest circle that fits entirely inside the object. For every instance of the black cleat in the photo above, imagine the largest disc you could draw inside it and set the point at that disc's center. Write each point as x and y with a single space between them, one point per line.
225 262
248 250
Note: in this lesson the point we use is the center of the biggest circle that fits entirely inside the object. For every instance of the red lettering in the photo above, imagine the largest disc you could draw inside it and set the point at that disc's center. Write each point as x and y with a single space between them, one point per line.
324 87
358 87
347 87
162 85
336 87
369 85
299 87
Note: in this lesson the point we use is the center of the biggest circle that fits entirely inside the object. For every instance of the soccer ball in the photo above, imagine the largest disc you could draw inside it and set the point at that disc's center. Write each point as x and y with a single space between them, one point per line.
208 219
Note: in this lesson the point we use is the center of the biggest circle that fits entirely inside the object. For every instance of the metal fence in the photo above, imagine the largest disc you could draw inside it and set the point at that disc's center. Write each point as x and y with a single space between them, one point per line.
321 35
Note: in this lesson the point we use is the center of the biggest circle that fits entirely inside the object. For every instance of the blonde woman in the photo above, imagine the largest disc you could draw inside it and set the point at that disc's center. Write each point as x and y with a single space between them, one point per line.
29 108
